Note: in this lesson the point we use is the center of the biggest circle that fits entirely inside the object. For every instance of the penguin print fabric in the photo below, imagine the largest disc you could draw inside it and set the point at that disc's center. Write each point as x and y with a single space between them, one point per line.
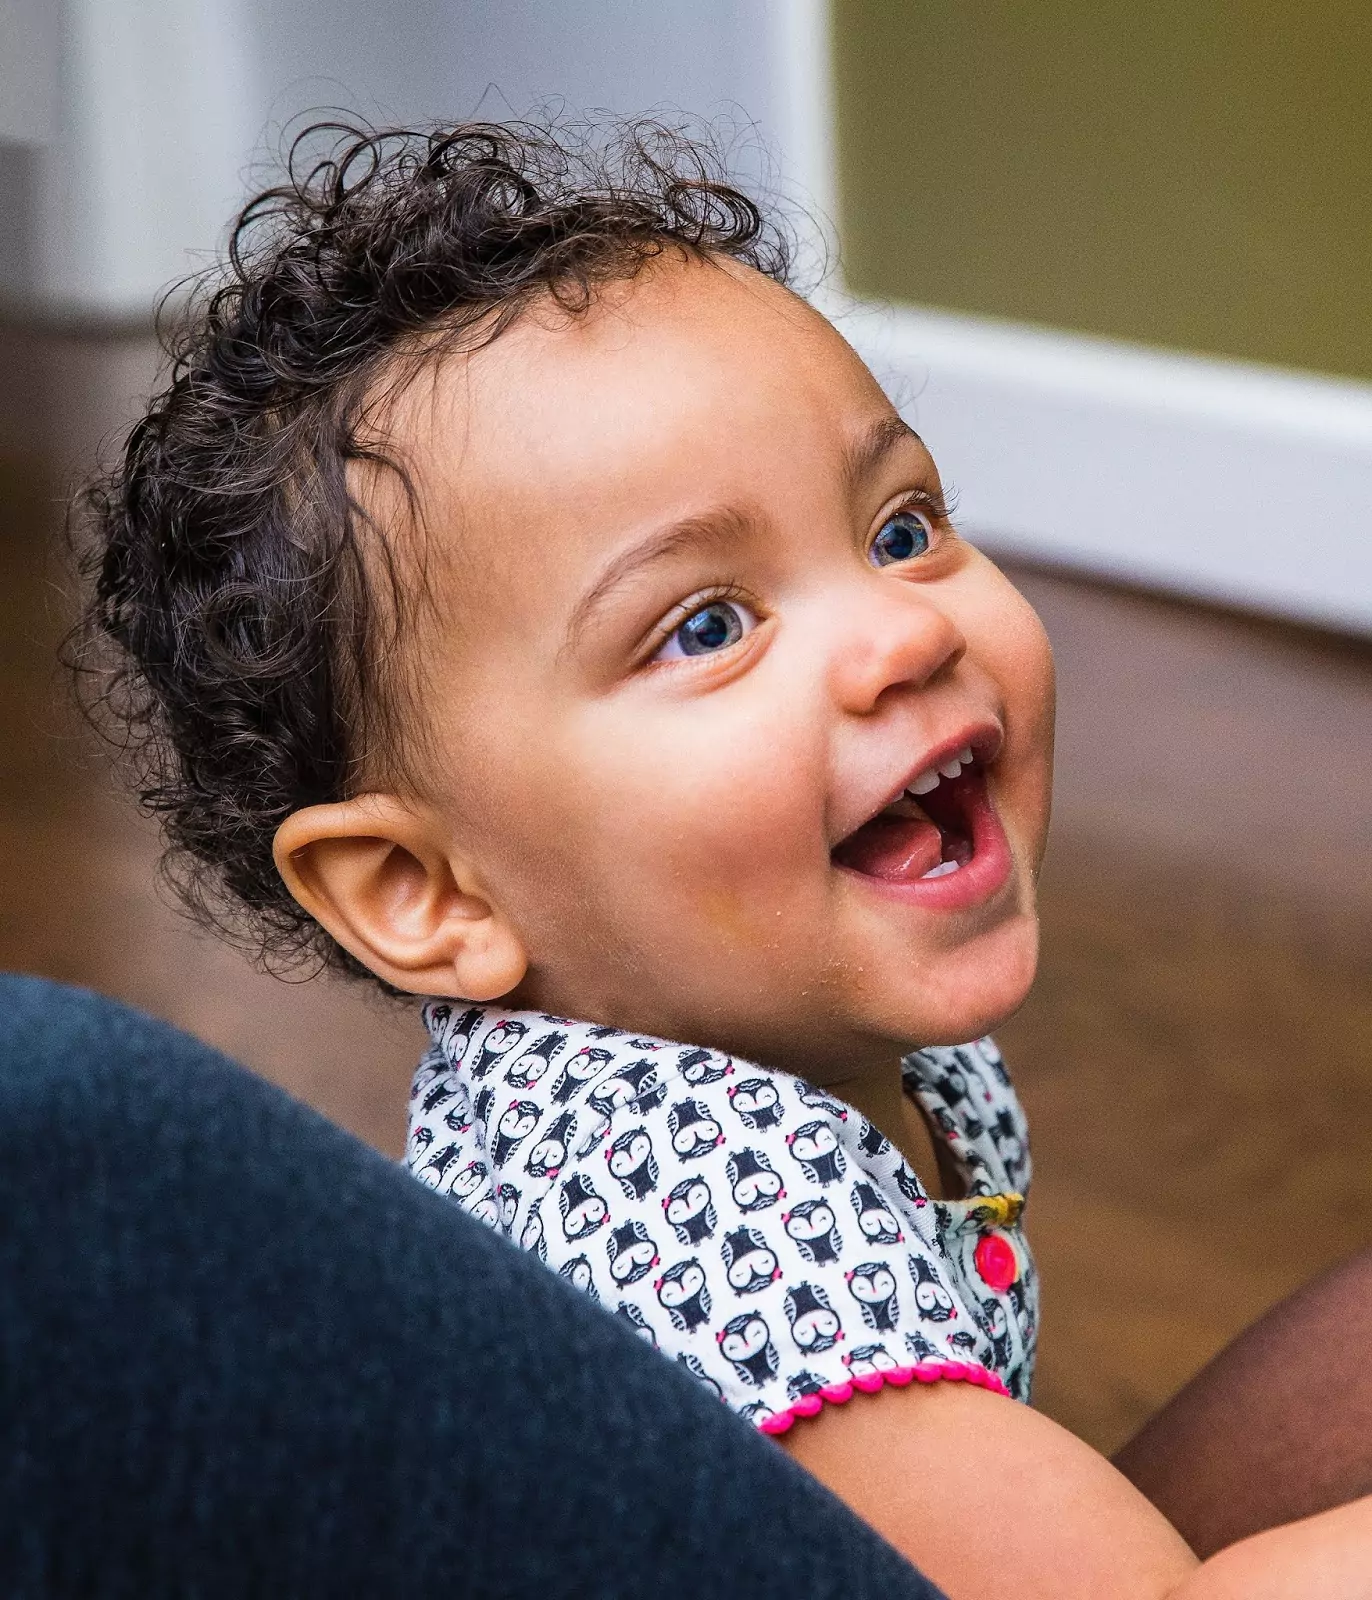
748 1225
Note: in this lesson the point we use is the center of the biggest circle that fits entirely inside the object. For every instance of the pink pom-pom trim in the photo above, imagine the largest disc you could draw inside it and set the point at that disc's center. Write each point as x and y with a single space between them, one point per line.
838 1394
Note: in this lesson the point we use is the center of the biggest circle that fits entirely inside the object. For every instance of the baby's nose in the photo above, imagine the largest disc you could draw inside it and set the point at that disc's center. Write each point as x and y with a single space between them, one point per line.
900 639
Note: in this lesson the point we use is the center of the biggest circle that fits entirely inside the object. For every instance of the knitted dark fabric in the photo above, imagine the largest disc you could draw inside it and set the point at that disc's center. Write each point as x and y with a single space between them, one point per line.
242 1354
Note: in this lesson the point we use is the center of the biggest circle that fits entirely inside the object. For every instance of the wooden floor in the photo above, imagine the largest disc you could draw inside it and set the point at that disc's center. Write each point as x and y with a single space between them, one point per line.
1197 1055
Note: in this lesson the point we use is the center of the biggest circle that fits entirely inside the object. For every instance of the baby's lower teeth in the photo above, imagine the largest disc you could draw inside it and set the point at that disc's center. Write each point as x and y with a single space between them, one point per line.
942 870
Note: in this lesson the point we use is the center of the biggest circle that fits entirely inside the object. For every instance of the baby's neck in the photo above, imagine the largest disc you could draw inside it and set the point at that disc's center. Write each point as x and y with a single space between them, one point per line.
879 1095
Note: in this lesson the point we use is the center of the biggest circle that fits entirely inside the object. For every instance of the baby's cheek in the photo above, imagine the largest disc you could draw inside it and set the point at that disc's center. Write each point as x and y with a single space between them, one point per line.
728 844
741 821
1013 642
1007 642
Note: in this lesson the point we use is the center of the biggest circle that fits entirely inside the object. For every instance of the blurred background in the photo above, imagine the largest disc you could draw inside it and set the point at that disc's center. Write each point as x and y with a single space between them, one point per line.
1115 263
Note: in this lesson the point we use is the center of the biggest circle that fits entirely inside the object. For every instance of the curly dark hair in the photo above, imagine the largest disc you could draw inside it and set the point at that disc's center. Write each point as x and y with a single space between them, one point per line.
238 635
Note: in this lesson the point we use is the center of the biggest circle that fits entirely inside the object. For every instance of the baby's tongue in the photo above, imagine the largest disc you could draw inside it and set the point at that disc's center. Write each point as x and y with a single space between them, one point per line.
899 849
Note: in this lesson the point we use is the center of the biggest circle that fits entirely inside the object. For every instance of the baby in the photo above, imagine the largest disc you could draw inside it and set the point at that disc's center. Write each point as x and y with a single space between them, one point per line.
533 603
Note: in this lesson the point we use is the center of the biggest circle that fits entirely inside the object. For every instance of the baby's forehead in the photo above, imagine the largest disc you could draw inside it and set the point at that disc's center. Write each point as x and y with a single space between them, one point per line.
688 384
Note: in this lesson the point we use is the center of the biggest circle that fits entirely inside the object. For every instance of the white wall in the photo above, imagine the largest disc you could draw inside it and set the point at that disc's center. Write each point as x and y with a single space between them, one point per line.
144 163
29 49
453 58
29 31
165 112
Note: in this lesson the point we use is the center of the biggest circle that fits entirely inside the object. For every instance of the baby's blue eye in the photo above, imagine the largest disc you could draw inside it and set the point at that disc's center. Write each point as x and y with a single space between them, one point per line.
901 538
714 627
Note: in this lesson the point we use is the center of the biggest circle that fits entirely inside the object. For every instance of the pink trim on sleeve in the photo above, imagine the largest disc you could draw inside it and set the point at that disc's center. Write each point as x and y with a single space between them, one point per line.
837 1394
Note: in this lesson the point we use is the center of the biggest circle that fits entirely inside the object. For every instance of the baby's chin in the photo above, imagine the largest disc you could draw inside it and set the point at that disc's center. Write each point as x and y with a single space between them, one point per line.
959 994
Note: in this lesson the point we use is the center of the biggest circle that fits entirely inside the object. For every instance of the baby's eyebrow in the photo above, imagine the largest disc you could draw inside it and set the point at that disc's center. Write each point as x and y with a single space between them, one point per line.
719 528
865 454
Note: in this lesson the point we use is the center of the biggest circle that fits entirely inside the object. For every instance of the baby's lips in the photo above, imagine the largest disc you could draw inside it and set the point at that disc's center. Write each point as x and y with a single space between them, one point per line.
898 849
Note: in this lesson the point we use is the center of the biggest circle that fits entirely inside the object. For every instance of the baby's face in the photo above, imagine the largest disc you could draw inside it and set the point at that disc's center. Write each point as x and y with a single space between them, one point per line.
704 643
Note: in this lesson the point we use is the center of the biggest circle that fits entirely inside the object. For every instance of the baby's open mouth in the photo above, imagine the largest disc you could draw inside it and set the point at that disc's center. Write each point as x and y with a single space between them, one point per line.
926 832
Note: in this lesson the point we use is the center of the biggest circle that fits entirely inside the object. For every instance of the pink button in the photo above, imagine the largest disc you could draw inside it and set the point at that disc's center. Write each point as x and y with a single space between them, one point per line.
996 1261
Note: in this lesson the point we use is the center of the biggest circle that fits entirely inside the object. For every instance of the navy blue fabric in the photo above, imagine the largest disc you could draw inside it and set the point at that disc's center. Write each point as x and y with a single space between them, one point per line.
242 1354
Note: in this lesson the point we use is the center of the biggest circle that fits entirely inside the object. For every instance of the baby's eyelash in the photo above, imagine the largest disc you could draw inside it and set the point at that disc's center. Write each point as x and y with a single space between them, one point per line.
938 506
729 590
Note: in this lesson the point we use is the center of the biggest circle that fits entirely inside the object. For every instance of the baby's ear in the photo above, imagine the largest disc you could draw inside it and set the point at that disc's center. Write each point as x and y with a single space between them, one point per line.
378 875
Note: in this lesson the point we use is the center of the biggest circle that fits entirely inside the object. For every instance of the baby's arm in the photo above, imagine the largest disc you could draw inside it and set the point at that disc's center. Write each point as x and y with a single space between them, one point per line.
988 1497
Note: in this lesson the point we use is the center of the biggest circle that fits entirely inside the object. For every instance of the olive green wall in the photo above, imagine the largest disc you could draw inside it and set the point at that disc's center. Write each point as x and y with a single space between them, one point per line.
1181 172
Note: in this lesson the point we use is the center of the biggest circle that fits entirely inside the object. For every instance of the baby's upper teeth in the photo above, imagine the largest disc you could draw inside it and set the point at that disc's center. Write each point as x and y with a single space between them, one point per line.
928 781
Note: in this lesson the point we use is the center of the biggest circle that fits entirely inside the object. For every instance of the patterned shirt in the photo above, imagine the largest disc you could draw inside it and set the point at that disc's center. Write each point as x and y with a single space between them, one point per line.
747 1224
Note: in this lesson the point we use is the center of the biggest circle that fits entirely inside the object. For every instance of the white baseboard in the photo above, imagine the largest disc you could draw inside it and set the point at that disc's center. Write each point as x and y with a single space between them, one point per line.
1223 480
